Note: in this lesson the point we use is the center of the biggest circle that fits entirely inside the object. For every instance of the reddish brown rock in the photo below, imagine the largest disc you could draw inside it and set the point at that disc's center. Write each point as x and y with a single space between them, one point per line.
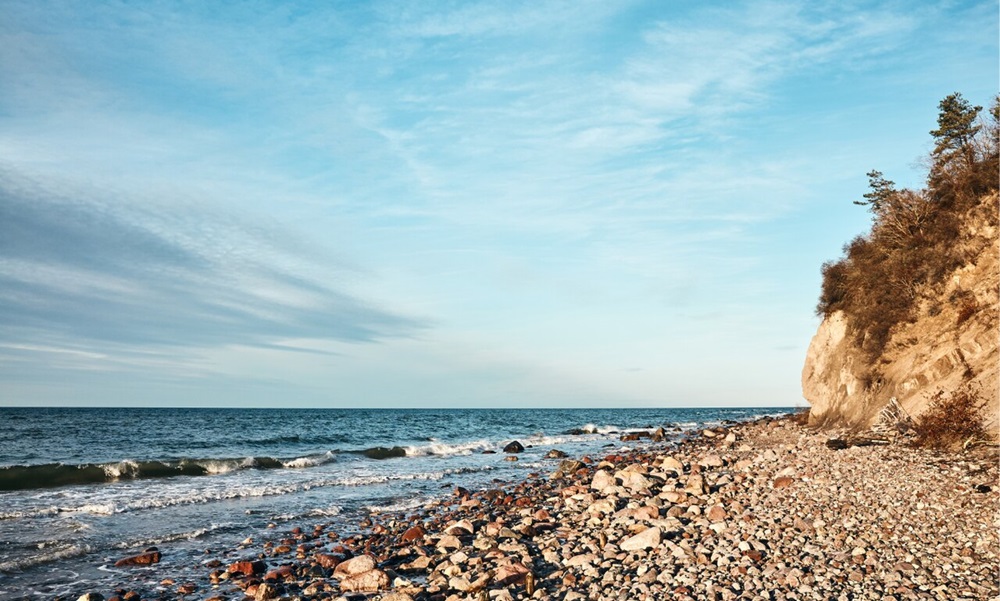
326 560
142 559
755 555
415 533
187 588
280 573
247 568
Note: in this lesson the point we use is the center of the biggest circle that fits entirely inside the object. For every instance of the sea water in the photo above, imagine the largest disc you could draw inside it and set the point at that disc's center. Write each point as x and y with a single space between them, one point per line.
81 488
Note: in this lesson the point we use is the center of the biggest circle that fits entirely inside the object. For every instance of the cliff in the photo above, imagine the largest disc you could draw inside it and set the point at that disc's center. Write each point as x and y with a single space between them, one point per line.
950 341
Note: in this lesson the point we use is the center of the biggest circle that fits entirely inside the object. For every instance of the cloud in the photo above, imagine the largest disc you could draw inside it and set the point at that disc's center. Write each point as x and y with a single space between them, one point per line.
79 272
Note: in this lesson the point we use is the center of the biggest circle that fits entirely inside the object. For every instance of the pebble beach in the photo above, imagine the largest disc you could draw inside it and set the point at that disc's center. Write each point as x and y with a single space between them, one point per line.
760 510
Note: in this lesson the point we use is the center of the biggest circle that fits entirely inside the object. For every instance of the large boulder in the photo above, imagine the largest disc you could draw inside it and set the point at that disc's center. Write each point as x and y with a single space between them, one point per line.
247 568
354 566
368 582
513 447
602 480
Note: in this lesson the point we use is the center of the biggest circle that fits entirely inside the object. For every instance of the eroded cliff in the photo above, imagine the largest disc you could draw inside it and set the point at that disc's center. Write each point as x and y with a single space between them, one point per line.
951 341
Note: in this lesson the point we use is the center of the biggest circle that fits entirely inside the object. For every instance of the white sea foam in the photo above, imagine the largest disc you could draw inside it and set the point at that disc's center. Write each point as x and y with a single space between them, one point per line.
29 513
222 466
176 536
123 469
401 505
24 563
309 461
445 449
595 429
330 511
93 508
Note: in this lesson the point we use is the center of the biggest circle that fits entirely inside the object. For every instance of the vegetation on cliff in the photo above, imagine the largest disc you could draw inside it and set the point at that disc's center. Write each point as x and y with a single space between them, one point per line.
911 247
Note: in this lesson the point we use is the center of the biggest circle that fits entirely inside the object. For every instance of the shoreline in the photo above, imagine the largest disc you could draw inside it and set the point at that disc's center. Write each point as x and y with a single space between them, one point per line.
762 509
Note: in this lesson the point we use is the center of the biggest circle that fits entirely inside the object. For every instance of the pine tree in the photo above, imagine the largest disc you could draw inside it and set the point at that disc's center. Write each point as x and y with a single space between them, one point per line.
955 135
881 192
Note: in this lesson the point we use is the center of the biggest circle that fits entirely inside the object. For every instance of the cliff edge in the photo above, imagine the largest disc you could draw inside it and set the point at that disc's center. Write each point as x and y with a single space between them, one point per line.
953 342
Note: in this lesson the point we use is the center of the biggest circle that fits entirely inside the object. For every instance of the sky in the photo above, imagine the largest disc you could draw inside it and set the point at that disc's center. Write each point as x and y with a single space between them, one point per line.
447 204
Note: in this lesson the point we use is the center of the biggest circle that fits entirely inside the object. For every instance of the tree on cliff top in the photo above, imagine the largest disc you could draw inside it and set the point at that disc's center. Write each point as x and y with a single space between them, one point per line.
910 248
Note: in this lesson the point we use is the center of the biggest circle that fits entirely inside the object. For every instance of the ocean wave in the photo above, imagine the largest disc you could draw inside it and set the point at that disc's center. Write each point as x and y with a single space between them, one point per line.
434 447
31 561
445 449
398 505
226 493
594 429
52 475
309 460
175 536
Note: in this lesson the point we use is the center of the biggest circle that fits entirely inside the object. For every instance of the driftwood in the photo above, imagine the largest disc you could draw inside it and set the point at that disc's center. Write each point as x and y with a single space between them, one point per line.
855 441
892 418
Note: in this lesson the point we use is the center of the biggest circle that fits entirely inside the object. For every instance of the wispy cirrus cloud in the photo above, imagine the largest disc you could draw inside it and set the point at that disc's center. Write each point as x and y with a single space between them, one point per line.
82 272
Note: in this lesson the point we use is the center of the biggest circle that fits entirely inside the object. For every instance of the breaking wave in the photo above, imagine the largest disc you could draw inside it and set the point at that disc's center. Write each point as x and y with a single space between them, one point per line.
51 475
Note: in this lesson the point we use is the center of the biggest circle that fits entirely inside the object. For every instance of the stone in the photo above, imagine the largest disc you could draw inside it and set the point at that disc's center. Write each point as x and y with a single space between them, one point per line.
555 454
354 566
671 464
647 539
367 582
600 507
579 560
187 588
458 583
513 447
91 597
602 480
418 564
716 513
327 560
511 574
633 481
397 596
449 541
247 568
568 467
711 461
695 485
460 528
142 559
265 592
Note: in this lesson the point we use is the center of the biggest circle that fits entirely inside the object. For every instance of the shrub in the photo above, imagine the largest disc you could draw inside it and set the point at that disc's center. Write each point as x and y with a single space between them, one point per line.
951 420
968 309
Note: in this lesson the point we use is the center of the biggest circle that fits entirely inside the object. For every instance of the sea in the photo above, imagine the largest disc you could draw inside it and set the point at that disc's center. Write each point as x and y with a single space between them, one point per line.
83 487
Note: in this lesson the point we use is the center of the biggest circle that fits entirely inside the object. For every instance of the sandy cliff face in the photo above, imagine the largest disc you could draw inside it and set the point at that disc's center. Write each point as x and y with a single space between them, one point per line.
945 348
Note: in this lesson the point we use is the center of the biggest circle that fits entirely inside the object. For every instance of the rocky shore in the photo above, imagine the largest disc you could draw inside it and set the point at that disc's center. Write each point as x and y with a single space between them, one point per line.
763 510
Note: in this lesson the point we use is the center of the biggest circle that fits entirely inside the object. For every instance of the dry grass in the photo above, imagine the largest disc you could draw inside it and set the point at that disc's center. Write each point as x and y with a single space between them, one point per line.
951 420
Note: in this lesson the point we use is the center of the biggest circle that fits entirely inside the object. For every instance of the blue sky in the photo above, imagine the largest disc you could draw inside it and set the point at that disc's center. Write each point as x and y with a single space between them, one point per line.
439 204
